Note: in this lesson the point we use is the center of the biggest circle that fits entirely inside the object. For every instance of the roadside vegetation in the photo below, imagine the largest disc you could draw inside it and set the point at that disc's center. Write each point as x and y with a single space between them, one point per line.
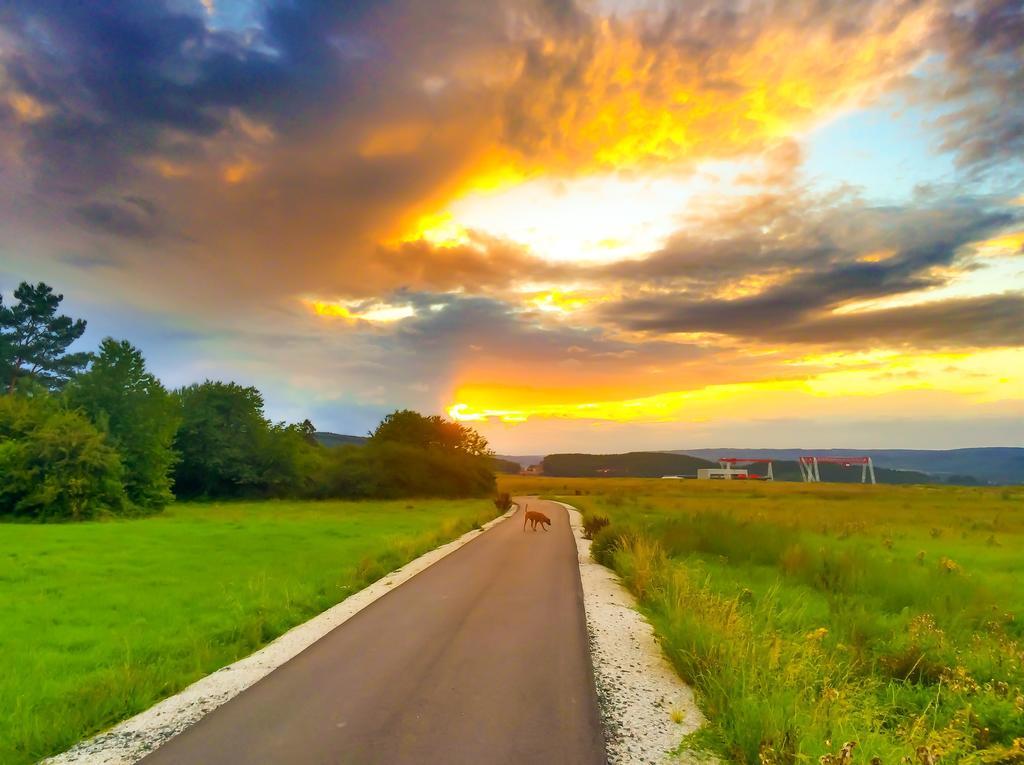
810 616
103 619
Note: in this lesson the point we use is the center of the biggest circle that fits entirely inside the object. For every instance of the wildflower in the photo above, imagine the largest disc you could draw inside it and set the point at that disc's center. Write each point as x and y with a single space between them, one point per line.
949 565
920 557
846 753
816 635
926 756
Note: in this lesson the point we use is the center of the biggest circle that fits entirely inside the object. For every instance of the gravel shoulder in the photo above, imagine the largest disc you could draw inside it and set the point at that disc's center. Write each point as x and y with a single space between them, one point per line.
646 709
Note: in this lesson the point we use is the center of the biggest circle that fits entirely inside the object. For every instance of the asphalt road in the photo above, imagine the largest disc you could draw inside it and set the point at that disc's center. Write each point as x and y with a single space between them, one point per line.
480 659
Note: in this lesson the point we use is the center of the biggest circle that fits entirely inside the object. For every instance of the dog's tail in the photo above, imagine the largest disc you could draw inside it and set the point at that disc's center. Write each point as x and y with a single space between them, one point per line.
525 508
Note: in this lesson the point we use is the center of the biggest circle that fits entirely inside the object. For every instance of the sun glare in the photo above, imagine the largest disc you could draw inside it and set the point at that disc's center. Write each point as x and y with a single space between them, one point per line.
378 312
595 219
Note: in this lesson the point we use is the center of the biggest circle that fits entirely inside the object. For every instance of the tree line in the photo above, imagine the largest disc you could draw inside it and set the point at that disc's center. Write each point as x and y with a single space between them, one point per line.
84 435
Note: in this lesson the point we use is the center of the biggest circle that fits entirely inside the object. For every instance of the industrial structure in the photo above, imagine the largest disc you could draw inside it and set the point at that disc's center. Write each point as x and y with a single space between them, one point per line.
732 462
726 474
810 473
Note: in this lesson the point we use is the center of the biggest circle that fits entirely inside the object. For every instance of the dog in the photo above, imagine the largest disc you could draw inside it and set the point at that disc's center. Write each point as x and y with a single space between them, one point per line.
533 517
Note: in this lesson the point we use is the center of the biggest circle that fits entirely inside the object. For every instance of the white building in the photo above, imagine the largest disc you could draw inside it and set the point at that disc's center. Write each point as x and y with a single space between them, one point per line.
721 474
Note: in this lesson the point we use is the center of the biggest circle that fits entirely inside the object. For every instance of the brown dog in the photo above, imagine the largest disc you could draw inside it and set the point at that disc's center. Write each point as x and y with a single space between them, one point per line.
533 517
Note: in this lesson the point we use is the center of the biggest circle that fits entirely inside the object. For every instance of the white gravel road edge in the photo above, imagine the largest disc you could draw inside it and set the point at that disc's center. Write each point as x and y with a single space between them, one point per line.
639 694
129 741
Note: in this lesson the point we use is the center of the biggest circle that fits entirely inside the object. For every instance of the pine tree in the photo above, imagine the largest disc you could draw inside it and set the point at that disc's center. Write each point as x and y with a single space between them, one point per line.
34 339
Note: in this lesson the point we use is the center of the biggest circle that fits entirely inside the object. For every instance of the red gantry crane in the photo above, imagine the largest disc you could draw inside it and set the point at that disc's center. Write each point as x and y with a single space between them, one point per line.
809 467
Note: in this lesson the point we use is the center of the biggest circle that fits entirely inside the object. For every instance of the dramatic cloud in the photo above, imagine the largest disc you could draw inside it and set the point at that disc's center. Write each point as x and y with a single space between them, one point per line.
800 265
523 206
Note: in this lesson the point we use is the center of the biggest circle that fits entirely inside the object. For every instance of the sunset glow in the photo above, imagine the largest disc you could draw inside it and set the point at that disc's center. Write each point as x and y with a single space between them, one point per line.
577 225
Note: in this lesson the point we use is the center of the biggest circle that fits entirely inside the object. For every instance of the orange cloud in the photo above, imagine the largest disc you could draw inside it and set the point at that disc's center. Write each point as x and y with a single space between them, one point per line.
633 102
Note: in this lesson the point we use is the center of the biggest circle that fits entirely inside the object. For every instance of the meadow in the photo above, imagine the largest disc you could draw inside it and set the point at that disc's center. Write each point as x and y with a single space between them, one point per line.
102 619
807 616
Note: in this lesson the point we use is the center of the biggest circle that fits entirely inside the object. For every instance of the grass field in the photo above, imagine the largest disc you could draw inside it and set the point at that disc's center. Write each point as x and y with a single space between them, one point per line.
100 620
807 616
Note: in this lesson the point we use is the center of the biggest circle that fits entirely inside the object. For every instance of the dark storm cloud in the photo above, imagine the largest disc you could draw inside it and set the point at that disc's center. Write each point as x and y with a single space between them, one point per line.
117 77
130 217
987 321
814 263
822 237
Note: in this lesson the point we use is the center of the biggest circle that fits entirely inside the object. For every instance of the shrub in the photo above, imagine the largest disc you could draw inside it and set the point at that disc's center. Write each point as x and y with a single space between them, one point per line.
55 464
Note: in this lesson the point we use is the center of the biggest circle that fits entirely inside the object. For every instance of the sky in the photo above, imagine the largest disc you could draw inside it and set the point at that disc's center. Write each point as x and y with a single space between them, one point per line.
577 225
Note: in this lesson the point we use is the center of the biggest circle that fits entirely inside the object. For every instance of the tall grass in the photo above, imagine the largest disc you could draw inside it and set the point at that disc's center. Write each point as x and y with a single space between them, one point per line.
810 616
100 620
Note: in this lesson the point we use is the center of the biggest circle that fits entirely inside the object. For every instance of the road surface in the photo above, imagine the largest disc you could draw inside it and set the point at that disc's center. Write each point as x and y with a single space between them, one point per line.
482 658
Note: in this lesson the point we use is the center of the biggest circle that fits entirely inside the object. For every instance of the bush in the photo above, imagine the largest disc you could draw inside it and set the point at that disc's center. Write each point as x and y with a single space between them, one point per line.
55 464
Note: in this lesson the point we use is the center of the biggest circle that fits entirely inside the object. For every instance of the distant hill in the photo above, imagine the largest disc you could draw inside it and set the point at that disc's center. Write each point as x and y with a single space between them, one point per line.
995 464
501 465
657 464
633 464
524 460
337 439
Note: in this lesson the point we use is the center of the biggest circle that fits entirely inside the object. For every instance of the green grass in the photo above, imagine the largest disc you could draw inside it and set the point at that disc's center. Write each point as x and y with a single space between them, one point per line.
810 615
100 620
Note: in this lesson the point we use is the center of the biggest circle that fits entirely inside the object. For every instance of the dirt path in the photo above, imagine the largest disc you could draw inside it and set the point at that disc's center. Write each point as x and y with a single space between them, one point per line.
481 658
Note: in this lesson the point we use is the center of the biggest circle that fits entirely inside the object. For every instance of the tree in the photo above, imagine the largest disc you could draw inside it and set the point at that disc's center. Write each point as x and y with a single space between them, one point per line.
308 431
412 428
138 414
55 463
34 339
229 449
218 439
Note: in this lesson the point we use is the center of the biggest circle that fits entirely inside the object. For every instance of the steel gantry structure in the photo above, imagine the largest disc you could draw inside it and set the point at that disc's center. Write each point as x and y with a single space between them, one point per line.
809 467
